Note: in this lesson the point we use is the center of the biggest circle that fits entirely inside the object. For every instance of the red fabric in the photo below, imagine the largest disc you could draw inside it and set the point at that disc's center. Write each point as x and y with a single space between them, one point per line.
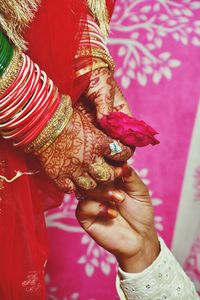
22 230
53 40
110 6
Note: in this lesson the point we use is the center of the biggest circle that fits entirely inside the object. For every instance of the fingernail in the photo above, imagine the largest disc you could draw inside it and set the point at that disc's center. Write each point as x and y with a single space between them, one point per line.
112 213
116 196
118 172
107 212
126 171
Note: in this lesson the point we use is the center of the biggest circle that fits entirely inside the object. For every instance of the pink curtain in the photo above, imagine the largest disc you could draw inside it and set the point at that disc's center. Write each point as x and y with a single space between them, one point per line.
156 46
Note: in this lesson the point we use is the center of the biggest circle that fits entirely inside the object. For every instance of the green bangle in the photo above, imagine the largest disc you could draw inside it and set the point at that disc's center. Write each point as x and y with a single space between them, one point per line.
3 46
3 59
1 39
6 54
9 58
3 42
4 49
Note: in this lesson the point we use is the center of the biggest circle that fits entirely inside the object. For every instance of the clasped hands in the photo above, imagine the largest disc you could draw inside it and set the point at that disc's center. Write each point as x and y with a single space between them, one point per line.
76 160
116 211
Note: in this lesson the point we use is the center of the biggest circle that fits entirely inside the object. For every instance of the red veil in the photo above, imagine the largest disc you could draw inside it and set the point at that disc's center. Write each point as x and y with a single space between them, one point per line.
53 39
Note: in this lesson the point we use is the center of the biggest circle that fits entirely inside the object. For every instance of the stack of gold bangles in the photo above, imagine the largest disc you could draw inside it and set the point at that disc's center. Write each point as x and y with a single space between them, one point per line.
92 45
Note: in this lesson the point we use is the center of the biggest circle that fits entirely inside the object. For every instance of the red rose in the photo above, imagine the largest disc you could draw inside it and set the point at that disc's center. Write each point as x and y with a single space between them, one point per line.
128 130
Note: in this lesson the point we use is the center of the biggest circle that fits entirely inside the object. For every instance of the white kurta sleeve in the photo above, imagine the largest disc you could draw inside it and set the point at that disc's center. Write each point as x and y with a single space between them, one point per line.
164 279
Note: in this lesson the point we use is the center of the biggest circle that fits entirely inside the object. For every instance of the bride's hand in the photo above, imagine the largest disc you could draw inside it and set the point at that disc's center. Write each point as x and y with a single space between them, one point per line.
104 93
75 160
130 234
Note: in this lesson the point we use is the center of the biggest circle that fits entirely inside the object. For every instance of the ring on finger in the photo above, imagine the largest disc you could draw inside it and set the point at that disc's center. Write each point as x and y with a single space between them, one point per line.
100 172
85 183
115 148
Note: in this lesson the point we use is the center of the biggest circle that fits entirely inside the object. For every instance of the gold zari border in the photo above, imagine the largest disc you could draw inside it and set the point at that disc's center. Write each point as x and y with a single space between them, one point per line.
96 52
11 72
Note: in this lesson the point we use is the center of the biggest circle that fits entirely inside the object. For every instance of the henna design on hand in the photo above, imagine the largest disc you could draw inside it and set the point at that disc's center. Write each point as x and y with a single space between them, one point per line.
120 103
101 91
78 146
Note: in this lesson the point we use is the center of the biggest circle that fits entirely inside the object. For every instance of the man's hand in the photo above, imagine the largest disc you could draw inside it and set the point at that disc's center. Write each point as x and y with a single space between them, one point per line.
130 235
76 158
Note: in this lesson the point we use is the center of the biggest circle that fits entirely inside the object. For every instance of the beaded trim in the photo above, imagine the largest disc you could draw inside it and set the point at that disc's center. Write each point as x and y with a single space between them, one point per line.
96 52
95 66
11 72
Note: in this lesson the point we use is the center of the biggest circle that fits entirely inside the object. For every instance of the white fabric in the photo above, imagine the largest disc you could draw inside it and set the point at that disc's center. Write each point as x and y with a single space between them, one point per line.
164 279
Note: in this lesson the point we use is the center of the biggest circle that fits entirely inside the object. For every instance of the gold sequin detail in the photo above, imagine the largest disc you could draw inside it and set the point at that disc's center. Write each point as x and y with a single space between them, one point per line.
11 72
96 52
95 66
32 284
2 170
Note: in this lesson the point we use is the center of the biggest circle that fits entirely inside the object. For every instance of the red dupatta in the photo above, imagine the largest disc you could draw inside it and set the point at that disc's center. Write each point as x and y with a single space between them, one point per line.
53 44
53 39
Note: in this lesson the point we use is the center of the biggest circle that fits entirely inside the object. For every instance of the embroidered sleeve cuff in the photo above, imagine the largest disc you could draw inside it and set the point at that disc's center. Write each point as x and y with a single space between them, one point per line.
164 279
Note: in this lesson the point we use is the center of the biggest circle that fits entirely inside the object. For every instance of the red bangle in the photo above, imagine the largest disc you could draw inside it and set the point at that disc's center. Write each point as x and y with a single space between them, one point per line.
21 74
38 128
23 128
17 133
8 98
16 79
34 117
14 97
29 103
40 95
21 98
25 101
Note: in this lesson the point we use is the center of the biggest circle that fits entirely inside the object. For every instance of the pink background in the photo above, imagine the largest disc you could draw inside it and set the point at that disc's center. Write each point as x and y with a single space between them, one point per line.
156 46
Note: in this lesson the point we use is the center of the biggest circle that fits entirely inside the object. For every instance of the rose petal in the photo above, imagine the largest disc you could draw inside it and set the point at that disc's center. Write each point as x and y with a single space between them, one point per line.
130 131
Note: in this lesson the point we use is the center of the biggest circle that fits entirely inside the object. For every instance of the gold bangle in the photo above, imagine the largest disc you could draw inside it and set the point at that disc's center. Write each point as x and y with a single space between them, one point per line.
11 72
96 52
54 128
87 69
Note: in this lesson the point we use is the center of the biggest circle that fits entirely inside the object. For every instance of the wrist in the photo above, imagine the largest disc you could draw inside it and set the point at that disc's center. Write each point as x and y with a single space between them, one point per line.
146 255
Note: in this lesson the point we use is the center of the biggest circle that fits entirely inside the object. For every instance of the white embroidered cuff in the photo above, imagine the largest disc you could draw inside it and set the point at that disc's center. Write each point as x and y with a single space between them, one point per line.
164 279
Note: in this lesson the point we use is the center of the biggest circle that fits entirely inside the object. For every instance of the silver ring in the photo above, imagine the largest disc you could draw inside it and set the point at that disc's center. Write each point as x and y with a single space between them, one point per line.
115 148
